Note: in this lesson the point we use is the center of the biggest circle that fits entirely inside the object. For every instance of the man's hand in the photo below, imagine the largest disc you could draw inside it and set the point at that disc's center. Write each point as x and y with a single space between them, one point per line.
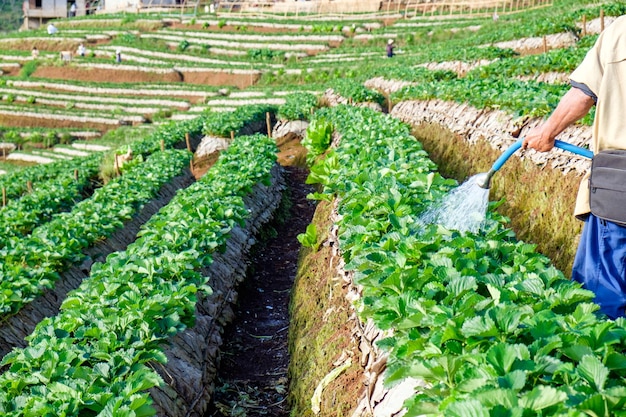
573 105
539 139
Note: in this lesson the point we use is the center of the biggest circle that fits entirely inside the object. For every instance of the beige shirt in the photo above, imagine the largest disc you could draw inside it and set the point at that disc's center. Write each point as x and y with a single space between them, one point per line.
604 71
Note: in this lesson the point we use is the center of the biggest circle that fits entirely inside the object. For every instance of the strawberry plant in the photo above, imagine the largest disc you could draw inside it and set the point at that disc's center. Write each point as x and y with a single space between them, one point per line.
97 356
317 138
222 124
490 326
32 264
298 106
60 193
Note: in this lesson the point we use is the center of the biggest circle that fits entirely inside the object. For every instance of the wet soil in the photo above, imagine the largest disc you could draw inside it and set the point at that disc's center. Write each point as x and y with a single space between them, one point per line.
252 379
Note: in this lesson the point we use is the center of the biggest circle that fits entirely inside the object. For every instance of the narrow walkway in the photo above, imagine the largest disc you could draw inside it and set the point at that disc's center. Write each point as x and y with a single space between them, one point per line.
252 380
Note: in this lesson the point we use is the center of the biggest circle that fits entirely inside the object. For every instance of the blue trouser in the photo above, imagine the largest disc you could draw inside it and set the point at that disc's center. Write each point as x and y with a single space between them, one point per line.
600 264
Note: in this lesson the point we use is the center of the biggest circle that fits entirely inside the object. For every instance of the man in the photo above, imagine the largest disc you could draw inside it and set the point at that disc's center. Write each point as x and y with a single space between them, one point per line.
52 29
600 79
390 48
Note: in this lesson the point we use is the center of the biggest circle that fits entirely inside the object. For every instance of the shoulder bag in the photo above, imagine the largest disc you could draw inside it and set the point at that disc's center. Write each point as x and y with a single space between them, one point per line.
607 186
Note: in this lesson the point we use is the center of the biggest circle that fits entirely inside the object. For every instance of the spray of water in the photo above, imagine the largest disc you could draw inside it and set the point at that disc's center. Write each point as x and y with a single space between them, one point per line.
463 209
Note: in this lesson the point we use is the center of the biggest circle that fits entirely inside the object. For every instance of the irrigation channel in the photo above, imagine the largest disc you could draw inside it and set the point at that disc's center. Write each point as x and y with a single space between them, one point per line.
252 377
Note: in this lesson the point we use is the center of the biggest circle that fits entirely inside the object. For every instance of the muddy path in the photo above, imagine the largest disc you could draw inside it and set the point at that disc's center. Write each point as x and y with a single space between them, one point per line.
252 380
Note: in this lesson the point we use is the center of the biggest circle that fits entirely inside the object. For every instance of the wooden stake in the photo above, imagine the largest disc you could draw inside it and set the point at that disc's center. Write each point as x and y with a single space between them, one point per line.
601 20
545 44
29 186
268 122
116 166
76 175
584 25
187 141
162 145
232 135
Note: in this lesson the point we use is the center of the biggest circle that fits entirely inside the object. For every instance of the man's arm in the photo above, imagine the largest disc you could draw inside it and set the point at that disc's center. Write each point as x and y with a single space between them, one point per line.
573 105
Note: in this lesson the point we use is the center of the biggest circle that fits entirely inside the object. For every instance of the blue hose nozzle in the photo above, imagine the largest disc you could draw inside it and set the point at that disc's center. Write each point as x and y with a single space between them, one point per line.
484 180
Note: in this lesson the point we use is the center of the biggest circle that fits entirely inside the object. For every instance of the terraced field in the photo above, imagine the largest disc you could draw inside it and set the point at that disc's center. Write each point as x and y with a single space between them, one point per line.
140 196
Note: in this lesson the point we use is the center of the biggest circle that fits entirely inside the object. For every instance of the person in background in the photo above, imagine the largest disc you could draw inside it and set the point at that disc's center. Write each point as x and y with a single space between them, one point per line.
118 55
65 56
81 50
390 48
52 30
599 80
35 52
73 10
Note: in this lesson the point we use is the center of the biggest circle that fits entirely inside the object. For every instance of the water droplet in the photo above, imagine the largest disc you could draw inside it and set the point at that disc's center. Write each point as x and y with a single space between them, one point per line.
463 208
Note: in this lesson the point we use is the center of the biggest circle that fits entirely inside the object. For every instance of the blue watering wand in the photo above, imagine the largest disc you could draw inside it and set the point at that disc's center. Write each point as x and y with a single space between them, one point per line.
484 180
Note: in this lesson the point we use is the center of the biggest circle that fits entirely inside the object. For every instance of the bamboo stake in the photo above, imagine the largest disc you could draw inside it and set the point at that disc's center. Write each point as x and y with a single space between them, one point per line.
187 141
545 44
232 135
162 145
76 175
269 124
584 25
29 186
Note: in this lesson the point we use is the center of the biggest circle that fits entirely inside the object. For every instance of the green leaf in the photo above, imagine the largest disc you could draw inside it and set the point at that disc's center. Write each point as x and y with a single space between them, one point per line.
576 352
493 397
479 326
309 239
615 361
593 371
515 380
501 357
542 397
596 405
468 408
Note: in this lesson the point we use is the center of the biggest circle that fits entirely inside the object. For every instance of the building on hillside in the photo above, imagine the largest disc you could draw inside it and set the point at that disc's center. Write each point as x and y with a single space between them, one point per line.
39 12
113 6
325 6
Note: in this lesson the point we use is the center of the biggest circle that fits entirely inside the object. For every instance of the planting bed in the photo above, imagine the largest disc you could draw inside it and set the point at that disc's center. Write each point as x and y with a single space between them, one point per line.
126 75
15 328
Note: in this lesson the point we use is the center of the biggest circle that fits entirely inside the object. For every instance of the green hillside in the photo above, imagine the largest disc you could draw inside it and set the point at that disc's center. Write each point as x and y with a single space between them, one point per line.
10 15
